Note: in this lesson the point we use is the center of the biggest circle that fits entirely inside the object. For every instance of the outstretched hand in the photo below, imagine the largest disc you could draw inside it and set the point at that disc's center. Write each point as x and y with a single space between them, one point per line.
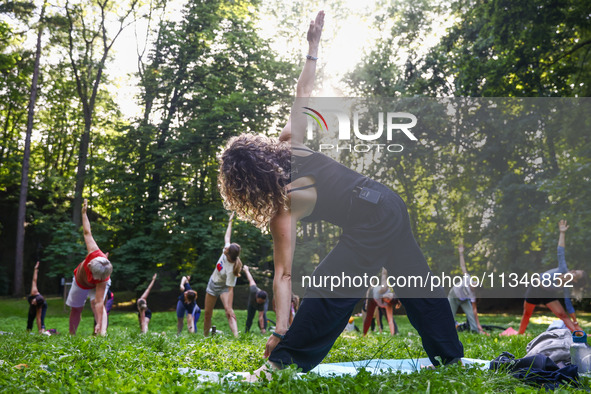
37 266
84 206
154 277
272 343
315 29
562 226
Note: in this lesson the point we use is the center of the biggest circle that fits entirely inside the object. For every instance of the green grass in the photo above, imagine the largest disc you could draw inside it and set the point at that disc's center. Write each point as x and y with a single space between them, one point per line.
126 361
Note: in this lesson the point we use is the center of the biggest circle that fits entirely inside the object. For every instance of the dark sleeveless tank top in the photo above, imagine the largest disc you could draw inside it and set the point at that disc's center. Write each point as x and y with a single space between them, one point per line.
334 185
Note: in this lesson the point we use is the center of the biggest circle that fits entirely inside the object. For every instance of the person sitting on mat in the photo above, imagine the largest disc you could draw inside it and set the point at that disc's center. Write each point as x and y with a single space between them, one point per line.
37 305
91 279
144 313
550 295
222 281
259 180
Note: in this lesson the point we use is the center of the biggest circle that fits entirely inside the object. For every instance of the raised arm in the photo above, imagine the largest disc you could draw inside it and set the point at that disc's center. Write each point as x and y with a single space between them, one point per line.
251 281
147 292
34 290
295 128
184 280
562 227
462 261
228 235
91 245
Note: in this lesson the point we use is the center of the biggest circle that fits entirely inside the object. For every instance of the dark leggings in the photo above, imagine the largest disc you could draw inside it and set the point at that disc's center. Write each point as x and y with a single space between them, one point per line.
381 237
250 314
320 321
33 315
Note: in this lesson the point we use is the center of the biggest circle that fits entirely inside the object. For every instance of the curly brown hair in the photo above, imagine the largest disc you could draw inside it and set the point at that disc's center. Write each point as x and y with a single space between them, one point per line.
254 170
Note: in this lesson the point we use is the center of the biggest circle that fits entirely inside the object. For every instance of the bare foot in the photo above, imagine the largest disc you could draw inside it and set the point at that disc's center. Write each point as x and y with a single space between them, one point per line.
256 375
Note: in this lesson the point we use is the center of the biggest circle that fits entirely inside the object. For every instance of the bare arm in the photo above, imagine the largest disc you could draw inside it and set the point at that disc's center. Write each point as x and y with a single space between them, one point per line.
184 280
295 128
282 230
142 319
228 235
262 321
573 317
462 261
38 318
475 310
34 290
91 245
147 292
562 227
99 305
190 323
251 281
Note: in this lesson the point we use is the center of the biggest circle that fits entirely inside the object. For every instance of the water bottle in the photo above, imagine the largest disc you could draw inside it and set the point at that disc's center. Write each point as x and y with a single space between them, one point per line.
214 330
580 352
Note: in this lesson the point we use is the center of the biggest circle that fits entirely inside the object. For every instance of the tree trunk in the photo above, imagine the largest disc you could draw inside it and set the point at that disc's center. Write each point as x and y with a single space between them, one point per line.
19 289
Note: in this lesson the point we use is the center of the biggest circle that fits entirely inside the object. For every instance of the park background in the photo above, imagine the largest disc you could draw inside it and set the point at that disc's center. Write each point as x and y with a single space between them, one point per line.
142 147
133 120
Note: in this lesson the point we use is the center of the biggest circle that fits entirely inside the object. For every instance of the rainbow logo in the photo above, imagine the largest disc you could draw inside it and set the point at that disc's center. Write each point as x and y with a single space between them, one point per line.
316 118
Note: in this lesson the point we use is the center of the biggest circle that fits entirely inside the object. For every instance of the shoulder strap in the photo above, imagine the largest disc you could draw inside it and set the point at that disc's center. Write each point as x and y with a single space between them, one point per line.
304 149
302 188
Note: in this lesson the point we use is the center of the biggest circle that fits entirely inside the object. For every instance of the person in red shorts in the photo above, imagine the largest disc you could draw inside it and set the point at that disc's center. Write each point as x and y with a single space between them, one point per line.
91 279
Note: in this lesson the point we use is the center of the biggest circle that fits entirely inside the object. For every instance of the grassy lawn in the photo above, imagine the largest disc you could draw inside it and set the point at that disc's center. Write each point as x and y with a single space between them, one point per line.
126 361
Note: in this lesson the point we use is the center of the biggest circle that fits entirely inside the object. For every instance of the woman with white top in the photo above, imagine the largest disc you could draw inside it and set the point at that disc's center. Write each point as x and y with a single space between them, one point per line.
222 281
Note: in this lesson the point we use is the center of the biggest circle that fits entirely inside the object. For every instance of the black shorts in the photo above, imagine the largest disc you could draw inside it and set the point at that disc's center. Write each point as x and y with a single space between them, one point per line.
148 314
538 296
540 301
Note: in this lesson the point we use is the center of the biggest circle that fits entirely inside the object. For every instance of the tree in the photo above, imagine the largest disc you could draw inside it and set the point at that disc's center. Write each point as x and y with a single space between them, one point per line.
20 231
209 76
89 44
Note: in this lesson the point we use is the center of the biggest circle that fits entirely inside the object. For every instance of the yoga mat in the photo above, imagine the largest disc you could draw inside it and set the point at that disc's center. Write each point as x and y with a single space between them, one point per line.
375 367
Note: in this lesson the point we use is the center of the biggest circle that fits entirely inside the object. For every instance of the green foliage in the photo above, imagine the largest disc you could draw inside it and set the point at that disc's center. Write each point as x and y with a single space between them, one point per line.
65 250
500 187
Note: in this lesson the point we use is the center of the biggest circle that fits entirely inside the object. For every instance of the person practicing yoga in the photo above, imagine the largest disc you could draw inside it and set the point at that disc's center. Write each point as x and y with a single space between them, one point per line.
559 279
144 313
381 297
187 305
37 305
255 181
222 281
91 279
257 302
463 296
